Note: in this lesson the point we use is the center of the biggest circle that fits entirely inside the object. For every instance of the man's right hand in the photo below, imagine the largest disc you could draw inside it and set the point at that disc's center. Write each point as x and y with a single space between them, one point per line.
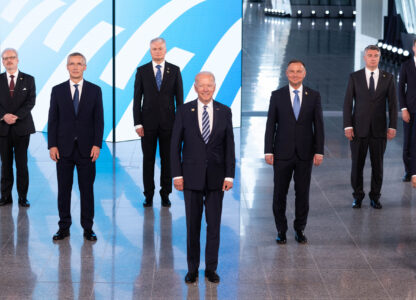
9 119
269 159
405 116
349 133
178 184
140 132
54 153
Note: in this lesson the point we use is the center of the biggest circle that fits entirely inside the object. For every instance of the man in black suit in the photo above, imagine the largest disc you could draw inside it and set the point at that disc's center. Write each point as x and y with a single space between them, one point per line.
203 166
407 98
294 139
75 133
368 93
157 88
17 98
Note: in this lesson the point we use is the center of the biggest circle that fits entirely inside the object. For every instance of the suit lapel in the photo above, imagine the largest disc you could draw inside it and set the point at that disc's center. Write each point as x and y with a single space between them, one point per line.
381 78
151 74
195 112
84 96
5 85
305 97
216 117
166 74
68 97
363 81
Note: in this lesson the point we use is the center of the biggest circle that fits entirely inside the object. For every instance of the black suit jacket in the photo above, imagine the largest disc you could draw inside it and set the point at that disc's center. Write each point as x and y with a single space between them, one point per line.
407 86
64 126
151 107
363 111
21 104
285 136
197 162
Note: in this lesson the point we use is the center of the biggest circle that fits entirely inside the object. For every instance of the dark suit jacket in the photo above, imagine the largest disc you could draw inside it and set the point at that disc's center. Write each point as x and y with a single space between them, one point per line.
153 108
407 86
285 136
363 111
21 104
64 126
197 162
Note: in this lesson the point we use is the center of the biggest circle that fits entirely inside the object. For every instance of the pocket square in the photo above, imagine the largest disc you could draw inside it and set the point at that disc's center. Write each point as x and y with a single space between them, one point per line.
24 89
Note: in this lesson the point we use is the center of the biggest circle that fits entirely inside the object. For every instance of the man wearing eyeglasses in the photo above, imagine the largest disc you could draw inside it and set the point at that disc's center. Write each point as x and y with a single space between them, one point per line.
17 98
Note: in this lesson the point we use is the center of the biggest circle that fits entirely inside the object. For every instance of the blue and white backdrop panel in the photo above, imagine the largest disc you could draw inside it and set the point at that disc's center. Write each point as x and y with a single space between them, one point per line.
200 35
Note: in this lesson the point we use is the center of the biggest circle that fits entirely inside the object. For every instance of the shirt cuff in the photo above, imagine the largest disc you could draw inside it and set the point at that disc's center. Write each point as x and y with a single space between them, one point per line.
319 154
230 179
138 126
347 128
393 128
268 153
177 177
404 108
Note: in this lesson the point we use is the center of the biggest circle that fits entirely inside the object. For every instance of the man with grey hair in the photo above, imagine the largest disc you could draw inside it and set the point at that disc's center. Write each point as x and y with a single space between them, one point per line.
17 98
370 90
203 166
158 92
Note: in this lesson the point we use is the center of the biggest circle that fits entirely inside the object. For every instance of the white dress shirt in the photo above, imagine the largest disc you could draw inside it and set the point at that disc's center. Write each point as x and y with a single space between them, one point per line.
71 85
292 94
375 76
15 74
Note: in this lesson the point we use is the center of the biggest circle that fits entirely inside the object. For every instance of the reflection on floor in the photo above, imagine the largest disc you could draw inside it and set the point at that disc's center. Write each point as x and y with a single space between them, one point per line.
351 254
140 253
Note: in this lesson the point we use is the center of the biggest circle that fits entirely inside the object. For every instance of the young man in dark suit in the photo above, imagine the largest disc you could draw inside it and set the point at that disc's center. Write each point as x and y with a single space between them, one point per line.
17 98
294 139
407 99
157 90
369 91
75 134
203 166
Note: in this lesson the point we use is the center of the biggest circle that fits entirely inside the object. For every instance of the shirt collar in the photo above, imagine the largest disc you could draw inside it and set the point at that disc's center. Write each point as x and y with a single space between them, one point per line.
368 72
414 58
201 104
161 64
300 89
79 83
15 74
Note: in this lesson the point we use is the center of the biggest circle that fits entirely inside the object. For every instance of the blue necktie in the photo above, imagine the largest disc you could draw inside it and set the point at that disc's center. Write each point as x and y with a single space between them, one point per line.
205 125
76 99
158 77
296 104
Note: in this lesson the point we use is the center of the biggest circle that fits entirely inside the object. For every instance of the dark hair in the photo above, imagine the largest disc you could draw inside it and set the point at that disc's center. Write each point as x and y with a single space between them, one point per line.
371 47
296 61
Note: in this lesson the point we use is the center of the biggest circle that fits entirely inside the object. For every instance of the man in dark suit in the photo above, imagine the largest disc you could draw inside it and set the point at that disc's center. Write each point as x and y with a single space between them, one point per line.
75 133
17 98
158 87
368 93
203 166
294 139
407 98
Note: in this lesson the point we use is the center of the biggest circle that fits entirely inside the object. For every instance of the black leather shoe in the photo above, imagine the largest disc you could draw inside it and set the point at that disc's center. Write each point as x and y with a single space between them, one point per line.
166 201
281 238
376 204
5 201
356 203
300 237
212 276
148 202
60 235
407 177
191 277
90 235
24 202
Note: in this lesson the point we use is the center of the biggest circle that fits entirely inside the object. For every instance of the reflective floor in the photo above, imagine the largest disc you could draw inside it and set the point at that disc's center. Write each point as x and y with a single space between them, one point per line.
140 253
351 254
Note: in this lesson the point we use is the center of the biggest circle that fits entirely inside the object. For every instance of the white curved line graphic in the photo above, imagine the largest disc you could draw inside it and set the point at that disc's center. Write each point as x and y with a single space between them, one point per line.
137 46
67 22
236 109
89 45
30 22
10 12
125 130
222 57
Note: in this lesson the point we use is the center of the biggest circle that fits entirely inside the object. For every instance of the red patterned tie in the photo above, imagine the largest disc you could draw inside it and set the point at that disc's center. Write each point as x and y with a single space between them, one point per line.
11 85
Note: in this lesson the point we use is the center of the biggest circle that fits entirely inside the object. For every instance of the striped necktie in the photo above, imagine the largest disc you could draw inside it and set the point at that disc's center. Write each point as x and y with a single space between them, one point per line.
205 125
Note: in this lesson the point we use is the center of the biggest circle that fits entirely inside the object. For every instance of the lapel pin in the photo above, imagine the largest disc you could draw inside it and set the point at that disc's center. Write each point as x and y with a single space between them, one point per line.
192 109
21 78
167 70
384 75
306 92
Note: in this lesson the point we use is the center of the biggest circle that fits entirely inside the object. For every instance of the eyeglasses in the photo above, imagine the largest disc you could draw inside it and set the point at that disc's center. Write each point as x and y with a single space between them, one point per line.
9 57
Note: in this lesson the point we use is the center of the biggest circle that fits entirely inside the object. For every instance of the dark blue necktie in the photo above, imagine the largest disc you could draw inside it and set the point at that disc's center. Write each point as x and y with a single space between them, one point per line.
158 77
296 104
372 85
76 99
205 125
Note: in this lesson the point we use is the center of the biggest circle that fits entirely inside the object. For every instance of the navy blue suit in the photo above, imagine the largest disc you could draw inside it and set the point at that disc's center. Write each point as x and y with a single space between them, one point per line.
75 135
407 99
293 144
203 168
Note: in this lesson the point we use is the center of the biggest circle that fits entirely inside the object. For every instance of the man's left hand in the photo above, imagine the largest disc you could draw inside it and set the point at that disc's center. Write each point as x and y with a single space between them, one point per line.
228 185
317 159
95 152
391 133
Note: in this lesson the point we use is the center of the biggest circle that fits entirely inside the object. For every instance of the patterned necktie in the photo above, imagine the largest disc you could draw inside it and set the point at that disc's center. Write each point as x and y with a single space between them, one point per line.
158 77
372 85
11 88
205 125
296 104
76 99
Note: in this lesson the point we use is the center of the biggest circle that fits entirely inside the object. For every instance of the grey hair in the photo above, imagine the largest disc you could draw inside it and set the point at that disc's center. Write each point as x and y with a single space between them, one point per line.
76 54
372 47
205 73
158 39
9 49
